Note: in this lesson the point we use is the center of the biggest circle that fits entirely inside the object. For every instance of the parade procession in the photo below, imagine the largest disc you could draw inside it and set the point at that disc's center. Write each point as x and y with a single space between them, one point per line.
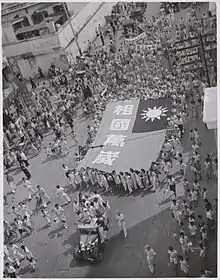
110 160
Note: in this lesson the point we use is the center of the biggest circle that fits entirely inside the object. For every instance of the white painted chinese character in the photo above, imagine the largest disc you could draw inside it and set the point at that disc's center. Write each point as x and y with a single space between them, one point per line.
106 157
120 124
124 110
115 140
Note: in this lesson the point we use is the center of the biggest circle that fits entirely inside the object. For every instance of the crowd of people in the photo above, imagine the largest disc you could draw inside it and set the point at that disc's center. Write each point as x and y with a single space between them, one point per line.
117 71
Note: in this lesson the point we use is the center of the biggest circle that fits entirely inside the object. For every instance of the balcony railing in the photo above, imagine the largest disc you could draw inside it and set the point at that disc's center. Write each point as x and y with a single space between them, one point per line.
15 6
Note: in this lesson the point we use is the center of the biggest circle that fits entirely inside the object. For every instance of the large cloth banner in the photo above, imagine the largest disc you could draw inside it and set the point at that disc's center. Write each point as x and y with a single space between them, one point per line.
141 36
131 135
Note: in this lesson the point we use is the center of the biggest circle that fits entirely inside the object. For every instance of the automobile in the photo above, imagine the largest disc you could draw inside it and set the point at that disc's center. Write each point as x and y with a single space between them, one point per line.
90 247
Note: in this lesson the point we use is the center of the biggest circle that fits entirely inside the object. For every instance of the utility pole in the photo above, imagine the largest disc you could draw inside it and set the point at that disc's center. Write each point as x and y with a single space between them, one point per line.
71 26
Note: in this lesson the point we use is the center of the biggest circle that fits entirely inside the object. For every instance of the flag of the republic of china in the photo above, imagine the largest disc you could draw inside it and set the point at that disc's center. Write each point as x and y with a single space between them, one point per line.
152 115
131 135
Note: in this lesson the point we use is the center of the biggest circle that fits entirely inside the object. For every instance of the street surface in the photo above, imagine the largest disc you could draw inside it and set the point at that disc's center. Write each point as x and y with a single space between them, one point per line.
148 221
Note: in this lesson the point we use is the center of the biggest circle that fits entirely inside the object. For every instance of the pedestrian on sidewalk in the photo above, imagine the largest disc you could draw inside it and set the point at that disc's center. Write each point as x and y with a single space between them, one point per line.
60 192
121 223
151 258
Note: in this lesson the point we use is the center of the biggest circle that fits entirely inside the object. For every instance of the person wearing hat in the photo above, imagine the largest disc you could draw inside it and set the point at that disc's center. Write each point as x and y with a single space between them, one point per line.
151 257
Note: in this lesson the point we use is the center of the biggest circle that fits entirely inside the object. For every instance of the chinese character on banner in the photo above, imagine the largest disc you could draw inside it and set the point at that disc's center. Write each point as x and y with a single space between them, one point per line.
106 157
115 140
124 110
120 124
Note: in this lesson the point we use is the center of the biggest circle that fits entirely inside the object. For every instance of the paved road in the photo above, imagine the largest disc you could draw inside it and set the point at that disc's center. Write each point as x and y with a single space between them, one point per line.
147 222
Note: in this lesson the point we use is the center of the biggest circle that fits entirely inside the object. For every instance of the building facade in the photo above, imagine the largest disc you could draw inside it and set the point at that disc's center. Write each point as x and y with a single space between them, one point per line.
39 34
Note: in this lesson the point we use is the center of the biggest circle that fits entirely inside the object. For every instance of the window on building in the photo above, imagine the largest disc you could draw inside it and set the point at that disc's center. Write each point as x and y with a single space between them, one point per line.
58 8
38 17
21 23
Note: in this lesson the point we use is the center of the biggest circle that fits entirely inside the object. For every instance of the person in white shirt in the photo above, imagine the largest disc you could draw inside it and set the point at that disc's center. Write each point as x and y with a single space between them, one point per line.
66 170
185 244
14 253
45 215
49 150
76 207
16 212
60 216
173 258
98 196
19 226
204 273
205 193
44 196
63 144
60 192
27 223
24 210
71 176
27 184
24 158
29 256
184 266
175 208
11 182
151 257
10 271
121 223
192 230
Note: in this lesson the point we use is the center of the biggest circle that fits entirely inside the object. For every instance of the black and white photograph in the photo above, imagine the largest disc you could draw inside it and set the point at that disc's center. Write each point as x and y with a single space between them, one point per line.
109 139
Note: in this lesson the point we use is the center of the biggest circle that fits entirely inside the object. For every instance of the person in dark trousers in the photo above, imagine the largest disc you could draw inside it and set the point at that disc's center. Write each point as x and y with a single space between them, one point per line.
40 72
46 89
32 83
25 170
102 38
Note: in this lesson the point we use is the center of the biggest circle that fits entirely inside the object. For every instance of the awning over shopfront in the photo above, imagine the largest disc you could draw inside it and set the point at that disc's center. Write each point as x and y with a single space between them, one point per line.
210 107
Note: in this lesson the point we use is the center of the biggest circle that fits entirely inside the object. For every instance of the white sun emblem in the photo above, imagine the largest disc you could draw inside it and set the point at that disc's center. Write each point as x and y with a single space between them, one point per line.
152 114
